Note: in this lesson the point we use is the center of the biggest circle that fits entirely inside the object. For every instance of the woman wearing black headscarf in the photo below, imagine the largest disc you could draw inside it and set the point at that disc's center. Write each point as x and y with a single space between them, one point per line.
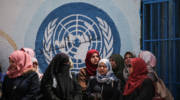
117 63
56 83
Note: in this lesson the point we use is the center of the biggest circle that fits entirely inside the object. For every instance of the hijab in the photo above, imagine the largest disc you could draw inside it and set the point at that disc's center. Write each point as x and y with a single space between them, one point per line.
138 75
148 57
22 63
150 60
91 68
59 64
109 77
29 51
58 68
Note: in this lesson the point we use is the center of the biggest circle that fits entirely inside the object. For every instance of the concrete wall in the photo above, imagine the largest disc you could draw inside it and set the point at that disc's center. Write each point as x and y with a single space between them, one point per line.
70 26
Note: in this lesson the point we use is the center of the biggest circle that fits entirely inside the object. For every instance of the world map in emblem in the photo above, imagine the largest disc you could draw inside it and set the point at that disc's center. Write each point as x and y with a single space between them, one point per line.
75 28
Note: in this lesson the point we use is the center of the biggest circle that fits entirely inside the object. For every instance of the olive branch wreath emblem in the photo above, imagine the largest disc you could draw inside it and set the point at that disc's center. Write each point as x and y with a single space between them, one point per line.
105 29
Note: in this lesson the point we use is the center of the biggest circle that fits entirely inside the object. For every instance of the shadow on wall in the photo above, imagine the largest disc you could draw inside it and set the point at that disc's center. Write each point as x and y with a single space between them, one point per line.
7 47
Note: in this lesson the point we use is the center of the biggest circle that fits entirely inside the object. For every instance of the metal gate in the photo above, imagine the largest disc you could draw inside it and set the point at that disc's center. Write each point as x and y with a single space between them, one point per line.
161 35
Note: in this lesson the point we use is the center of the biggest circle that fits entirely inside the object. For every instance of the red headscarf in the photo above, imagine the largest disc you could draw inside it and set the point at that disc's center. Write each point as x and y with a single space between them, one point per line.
22 63
91 68
137 76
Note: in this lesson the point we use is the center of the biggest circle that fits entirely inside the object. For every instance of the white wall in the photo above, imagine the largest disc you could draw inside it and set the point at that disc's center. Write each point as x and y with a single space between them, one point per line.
20 20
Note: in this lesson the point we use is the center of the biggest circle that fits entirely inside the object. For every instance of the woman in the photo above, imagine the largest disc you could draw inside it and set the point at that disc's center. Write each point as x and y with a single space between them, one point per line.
138 85
56 83
150 60
91 61
21 81
105 85
36 67
161 90
117 63
127 55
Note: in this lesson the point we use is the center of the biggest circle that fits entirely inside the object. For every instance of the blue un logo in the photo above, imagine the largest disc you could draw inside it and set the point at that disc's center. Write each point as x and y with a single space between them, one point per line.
74 29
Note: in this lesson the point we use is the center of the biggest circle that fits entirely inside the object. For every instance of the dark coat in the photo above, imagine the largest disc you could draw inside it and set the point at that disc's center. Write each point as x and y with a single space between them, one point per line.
145 92
66 89
56 83
25 87
104 91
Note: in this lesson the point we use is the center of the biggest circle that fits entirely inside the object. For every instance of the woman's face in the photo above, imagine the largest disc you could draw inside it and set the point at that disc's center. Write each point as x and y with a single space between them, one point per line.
35 65
102 69
94 58
128 56
130 69
12 63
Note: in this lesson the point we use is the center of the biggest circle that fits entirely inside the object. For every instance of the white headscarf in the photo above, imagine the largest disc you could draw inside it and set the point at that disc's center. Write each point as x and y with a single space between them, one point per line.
109 77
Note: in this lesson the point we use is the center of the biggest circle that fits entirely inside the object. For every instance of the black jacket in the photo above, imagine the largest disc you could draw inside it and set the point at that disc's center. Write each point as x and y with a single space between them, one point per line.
145 92
104 91
25 87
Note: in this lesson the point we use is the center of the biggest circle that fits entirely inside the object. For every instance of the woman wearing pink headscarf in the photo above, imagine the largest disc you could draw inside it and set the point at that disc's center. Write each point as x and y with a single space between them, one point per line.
162 93
21 81
150 60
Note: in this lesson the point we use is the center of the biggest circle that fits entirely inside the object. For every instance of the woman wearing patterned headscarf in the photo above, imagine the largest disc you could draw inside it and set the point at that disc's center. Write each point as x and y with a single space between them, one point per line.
91 61
138 85
56 83
105 85
21 81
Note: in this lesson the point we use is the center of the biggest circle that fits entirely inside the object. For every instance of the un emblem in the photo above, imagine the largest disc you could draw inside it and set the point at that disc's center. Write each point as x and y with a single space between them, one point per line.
74 29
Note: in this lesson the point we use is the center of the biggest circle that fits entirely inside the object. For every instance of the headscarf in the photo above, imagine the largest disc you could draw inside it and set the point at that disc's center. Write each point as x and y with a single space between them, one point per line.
22 63
29 51
150 60
118 71
138 75
148 57
59 64
109 77
91 68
